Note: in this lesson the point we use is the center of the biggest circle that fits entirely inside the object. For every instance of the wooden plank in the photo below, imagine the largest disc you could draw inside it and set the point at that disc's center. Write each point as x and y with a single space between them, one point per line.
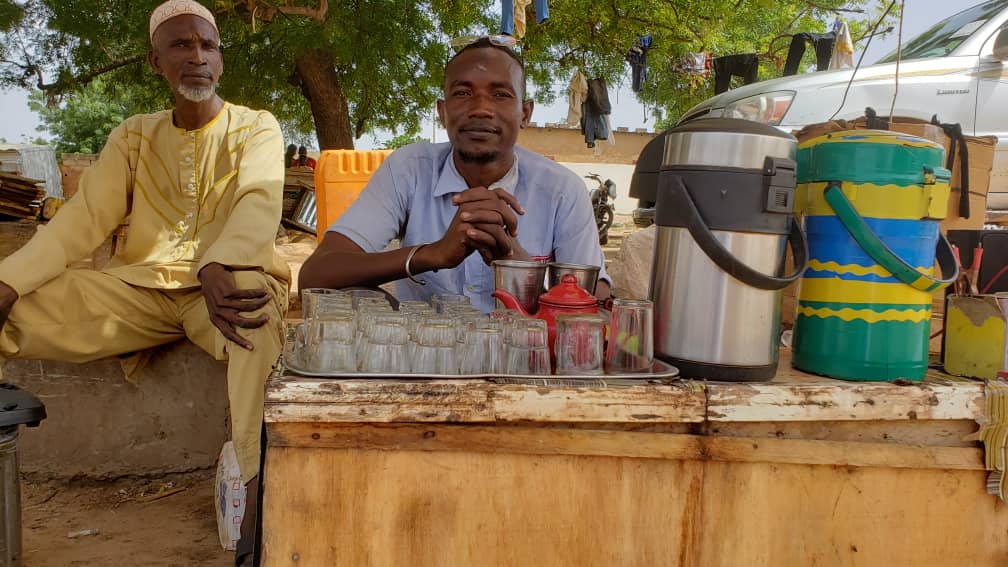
293 399
612 443
421 508
841 401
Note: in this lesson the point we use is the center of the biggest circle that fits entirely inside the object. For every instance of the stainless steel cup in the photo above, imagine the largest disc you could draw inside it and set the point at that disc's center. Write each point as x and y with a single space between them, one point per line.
524 280
587 276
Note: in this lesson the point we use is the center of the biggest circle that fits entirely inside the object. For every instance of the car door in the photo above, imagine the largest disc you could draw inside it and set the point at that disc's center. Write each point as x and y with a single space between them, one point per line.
992 116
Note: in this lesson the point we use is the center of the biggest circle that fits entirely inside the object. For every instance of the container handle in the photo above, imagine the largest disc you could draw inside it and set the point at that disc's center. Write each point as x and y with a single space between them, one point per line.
873 245
724 259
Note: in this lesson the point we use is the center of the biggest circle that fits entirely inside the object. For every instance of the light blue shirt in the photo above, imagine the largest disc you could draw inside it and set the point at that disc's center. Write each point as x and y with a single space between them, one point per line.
409 197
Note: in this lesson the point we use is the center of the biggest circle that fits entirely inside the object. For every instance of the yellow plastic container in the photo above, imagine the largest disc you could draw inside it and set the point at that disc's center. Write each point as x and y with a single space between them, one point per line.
340 176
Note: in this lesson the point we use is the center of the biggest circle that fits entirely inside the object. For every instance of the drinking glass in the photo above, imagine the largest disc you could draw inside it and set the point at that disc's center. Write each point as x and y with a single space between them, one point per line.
580 343
435 351
413 306
329 302
386 348
527 360
378 302
527 332
295 344
526 351
309 299
440 300
631 336
331 346
358 294
483 351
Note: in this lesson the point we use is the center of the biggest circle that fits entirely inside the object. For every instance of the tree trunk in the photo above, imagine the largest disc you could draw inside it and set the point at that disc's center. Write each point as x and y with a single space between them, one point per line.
320 84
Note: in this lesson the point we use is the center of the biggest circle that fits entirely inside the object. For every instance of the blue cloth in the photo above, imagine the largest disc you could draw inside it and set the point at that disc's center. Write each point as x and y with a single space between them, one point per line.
409 197
507 14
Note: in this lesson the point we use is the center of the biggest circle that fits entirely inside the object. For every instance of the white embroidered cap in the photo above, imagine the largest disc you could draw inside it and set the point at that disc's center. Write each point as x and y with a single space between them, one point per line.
173 8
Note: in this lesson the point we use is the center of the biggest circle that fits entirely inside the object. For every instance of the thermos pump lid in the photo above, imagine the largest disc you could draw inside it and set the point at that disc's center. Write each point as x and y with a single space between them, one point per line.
728 143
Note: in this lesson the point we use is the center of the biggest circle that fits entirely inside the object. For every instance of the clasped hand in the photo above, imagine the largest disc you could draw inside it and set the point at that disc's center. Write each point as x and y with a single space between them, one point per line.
226 302
485 222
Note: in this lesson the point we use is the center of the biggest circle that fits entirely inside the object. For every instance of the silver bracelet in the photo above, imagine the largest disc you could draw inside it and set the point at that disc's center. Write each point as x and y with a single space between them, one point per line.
409 257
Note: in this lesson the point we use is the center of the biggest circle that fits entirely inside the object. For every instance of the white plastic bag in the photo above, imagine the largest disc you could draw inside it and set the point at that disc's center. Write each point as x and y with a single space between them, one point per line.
230 498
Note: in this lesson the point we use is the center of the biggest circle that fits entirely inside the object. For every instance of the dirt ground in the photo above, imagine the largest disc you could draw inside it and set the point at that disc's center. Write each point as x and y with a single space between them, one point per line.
178 529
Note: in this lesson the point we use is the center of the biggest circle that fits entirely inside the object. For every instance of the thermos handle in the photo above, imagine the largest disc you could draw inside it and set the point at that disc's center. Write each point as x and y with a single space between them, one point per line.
883 256
724 259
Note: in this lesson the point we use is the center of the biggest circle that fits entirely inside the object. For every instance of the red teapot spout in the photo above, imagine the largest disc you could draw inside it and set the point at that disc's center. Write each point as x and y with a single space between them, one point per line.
510 301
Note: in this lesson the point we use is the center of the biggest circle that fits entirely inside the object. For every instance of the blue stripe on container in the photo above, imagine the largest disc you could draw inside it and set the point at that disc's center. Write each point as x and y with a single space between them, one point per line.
849 277
912 240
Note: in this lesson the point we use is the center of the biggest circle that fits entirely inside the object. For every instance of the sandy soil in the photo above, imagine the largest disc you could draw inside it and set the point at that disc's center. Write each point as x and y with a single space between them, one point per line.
179 529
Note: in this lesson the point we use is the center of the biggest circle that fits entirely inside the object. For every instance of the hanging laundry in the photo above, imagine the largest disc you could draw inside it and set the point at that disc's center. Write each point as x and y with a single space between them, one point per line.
694 64
519 17
843 52
594 112
637 57
577 93
821 42
508 15
745 65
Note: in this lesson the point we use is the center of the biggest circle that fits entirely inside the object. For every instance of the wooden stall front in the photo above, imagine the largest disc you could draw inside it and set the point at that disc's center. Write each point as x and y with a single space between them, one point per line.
799 471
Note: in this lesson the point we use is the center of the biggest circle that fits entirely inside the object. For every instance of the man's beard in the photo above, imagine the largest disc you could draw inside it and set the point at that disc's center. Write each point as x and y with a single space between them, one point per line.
197 94
478 159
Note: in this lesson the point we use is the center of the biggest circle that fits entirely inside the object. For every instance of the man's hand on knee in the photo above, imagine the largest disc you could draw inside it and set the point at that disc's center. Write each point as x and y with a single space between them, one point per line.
226 302
7 298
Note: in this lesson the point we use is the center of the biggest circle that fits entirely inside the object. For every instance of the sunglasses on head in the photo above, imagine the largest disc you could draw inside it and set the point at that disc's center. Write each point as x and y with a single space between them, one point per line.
500 40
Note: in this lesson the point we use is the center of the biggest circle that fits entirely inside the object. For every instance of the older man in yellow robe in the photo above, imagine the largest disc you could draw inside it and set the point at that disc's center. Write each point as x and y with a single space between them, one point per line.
201 186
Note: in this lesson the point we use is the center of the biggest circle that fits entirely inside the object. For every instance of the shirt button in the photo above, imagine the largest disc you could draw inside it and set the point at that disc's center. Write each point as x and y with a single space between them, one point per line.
189 216
191 186
188 159
470 288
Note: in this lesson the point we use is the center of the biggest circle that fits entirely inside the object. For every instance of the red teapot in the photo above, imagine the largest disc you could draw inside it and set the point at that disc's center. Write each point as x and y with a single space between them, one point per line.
567 297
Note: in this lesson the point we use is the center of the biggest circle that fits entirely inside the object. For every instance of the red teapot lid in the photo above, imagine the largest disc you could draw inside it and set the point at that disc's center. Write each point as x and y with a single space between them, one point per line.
568 293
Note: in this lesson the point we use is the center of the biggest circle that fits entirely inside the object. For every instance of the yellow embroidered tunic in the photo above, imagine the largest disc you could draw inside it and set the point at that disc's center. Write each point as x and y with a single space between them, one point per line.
192 197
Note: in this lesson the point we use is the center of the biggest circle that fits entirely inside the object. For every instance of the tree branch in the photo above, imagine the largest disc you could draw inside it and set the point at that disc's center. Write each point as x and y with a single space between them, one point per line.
835 10
266 11
63 84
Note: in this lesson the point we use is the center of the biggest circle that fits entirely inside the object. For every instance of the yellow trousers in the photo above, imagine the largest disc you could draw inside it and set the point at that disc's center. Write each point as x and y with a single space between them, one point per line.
84 315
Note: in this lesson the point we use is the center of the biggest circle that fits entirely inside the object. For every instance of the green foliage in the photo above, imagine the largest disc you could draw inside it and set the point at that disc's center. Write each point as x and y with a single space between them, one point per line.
81 123
403 140
387 56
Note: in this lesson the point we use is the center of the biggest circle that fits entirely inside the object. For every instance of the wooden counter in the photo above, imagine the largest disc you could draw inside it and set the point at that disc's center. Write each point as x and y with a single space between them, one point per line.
799 471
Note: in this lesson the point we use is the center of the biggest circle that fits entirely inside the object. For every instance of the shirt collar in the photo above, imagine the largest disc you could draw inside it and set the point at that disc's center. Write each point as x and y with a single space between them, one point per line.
451 181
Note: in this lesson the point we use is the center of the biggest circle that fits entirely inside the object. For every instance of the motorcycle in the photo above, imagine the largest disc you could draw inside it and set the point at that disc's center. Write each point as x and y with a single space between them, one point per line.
600 200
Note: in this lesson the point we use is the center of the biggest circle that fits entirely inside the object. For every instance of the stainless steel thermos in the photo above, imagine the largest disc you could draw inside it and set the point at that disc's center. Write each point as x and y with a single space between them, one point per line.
724 194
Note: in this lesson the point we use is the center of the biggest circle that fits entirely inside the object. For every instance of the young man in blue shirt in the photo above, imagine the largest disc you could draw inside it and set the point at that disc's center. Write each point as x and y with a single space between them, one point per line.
458 206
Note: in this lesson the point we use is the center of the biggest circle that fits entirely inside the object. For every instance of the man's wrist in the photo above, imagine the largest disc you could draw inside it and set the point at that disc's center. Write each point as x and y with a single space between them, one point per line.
517 252
211 268
425 259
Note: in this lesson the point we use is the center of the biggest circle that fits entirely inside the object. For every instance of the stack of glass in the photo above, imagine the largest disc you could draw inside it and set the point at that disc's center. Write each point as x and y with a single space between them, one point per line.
358 332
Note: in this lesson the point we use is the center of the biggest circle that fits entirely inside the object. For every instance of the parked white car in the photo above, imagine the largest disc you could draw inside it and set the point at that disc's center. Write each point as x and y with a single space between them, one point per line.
957 70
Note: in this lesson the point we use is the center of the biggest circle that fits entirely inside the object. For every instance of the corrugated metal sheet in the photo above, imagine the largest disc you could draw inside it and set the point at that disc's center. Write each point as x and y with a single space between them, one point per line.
36 162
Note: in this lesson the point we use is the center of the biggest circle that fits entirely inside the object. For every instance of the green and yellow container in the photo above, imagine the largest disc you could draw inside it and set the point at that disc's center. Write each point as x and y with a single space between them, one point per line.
871 202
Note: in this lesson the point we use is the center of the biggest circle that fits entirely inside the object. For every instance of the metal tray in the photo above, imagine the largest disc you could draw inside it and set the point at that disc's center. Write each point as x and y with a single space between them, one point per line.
660 372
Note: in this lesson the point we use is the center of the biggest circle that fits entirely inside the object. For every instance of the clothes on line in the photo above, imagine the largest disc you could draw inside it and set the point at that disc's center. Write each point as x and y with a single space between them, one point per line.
745 65
595 114
695 63
843 51
577 93
508 11
637 57
821 42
